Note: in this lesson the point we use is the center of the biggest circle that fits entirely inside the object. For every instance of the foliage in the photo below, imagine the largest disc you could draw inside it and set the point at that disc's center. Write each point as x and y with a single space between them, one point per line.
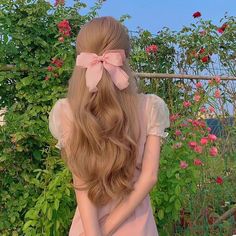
38 39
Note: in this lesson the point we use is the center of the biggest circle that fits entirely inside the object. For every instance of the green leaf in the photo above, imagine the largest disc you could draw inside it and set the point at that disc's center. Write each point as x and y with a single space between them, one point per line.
56 204
177 190
160 214
177 204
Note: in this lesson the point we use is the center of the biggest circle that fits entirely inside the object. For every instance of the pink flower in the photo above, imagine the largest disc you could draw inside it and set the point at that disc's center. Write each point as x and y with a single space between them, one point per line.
204 140
46 78
197 14
198 149
217 94
186 103
217 79
212 137
197 97
152 48
192 144
211 109
209 129
219 180
198 84
213 151
197 162
178 132
174 117
203 109
183 164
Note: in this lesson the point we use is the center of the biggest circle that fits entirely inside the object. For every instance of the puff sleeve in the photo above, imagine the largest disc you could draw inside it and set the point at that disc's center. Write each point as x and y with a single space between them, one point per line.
158 116
60 121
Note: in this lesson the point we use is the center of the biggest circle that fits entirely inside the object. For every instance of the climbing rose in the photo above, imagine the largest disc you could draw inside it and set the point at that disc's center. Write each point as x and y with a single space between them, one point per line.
219 180
198 84
202 50
205 59
186 103
203 109
197 97
217 93
183 164
197 14
64 27
217 79
57 62
50 68
197 162
222 28
213 151
211 109
204 140
152 48
212 137
198 149
178 132
192 144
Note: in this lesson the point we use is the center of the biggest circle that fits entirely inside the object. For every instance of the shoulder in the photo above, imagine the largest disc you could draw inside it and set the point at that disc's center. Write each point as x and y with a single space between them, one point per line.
154 100
61 104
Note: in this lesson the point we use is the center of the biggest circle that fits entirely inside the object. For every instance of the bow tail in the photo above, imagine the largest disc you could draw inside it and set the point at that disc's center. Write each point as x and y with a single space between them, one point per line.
93 76
118 76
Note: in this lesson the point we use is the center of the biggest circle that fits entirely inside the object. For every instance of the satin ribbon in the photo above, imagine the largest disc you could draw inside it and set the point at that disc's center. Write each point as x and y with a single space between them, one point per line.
111 60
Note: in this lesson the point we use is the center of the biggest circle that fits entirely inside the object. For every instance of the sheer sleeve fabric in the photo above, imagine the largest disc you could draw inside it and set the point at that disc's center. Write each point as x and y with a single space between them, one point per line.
60 121
158 116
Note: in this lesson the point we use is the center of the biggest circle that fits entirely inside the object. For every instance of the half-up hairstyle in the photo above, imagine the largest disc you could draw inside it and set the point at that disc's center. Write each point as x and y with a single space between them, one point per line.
103 146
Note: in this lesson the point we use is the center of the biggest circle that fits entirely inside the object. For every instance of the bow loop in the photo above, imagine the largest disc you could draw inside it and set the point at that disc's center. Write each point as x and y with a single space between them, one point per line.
111 60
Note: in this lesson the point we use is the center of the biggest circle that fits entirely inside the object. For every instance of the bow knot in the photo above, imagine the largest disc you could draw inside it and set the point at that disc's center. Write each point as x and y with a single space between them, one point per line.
111 60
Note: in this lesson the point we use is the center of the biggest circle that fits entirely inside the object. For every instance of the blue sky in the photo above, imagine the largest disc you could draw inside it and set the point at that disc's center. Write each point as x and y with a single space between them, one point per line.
153 14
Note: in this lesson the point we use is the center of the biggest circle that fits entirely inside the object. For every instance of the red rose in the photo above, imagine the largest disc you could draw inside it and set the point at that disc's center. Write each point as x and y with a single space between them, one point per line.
57 62
152 48
222 28
205 59
219 180
64 27
197 162
197 14
202 50
50 68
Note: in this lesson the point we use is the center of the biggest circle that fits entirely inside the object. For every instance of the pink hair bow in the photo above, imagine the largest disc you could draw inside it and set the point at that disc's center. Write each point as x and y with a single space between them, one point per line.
111 60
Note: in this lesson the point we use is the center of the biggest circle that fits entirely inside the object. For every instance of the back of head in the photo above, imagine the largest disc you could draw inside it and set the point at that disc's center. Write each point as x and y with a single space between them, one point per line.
104 143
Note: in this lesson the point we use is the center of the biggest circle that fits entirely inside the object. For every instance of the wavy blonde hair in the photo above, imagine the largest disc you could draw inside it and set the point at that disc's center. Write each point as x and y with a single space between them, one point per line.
104 140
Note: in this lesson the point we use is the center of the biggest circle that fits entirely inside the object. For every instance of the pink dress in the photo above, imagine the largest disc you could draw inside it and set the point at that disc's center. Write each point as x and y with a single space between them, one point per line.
154 115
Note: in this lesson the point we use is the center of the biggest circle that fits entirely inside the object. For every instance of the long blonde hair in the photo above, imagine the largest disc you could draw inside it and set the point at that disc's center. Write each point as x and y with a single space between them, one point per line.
104 142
